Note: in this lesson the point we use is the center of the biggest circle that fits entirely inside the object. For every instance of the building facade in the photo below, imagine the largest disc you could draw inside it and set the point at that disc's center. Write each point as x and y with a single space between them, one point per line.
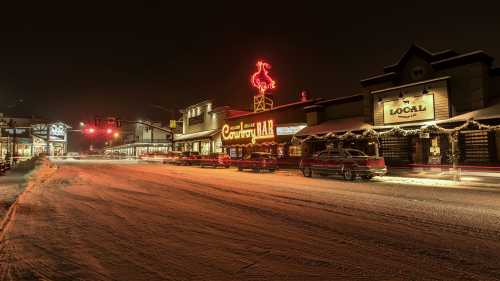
201 128
267 131
139 138
428 108
25 137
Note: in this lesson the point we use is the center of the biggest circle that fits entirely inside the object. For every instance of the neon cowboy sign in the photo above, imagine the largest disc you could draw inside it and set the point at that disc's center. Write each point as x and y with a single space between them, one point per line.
253 132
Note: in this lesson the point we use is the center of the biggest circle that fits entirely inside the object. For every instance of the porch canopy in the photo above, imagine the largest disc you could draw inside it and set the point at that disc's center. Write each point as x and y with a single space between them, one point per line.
196 136
490 112
335 126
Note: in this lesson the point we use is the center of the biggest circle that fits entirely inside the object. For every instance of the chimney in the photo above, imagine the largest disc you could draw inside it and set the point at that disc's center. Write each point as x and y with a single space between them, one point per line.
304 96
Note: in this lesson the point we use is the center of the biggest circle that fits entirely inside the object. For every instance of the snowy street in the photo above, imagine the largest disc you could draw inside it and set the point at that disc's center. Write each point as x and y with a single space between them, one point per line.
112 221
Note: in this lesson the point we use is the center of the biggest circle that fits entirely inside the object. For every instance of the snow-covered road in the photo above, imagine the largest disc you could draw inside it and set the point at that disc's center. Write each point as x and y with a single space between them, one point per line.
158 222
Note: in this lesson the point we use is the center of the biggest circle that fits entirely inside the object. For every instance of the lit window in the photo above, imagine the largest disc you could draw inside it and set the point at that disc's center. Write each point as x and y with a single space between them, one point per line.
198 111
209 107
189 114
295 150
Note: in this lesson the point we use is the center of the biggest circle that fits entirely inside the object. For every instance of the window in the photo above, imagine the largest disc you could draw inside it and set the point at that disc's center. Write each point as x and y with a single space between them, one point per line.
198 111
295 150
189 113
209 107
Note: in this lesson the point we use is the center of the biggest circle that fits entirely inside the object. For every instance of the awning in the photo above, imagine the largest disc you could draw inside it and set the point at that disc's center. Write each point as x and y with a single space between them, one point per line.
195 136
334 126
490 112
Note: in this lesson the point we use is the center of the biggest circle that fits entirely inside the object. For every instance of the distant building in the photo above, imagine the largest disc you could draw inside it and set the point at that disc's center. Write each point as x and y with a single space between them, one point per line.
25 137
201 127
139 138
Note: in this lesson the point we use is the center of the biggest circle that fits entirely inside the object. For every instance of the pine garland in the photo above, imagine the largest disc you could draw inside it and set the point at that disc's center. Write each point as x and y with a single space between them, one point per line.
398 131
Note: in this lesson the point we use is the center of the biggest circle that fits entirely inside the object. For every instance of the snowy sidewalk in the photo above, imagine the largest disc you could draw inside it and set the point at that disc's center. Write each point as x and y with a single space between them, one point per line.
13 183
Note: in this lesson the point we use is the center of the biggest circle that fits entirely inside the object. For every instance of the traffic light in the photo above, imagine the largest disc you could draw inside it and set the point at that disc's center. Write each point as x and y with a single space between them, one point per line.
89 131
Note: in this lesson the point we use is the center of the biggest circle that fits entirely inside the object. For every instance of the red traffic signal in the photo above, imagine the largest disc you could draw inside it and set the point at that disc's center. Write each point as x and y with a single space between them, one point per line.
89 131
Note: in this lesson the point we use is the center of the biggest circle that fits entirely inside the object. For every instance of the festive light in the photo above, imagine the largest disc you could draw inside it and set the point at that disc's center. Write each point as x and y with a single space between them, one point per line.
261 79
109 131
397 131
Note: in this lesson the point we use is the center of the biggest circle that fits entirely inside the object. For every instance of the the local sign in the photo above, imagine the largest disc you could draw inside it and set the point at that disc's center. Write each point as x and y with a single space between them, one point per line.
409 109
249 132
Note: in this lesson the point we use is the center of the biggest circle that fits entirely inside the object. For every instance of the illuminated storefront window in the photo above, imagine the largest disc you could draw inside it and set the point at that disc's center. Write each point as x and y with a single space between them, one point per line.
205 148
295 150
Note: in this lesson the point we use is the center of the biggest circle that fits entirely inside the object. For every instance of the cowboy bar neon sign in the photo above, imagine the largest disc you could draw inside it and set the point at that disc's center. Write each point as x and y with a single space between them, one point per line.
253 131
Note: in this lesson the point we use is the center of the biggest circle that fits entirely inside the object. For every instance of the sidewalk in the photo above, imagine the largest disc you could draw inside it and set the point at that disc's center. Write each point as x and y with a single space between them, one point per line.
14 182
464 177
431 176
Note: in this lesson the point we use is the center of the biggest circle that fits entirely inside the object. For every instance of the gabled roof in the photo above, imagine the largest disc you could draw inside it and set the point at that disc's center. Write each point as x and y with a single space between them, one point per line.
438 60
422 52
478 55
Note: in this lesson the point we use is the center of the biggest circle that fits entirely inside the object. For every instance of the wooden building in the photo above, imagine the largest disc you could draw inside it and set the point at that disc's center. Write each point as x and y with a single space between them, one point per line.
424 109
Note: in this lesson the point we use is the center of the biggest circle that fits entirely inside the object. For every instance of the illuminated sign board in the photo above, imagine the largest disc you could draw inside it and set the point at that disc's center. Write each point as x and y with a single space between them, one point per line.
409 109
289 130
261 79
57 131
249 132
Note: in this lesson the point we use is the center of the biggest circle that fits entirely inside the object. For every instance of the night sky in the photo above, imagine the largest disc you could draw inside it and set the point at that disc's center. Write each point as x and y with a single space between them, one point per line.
70 63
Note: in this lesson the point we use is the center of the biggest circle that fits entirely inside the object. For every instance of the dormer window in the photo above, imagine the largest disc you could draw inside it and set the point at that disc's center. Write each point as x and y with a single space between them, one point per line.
417 73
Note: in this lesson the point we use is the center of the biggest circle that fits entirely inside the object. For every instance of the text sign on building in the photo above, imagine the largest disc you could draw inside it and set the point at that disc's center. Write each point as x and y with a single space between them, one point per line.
289 130
409 109
249 132
57 131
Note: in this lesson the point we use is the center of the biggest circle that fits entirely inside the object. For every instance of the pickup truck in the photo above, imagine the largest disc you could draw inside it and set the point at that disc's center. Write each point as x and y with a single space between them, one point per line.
348 162
258 161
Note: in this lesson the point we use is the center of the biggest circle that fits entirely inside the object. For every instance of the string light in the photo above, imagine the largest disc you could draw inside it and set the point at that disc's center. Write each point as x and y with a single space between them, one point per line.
397 131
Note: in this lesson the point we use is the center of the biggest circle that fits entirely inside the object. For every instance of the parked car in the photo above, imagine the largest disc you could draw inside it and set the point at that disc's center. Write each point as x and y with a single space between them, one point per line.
348 162
216 160
258 161
188 158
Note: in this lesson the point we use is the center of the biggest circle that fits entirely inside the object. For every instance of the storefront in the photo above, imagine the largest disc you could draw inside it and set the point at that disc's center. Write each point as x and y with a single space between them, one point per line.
57 140
427 109
266 131
201 127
